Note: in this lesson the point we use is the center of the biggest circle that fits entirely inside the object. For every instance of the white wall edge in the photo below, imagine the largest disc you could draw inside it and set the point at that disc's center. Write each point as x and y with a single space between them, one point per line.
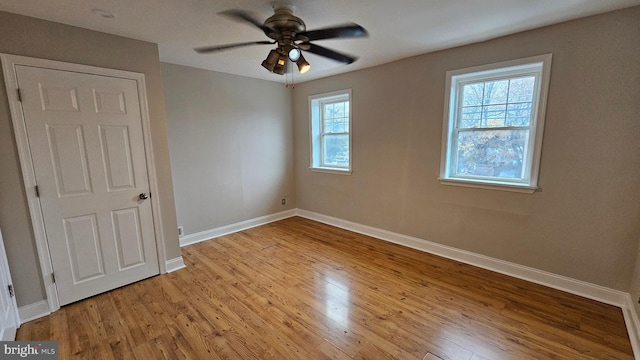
175 264
633 324
33 311
232 228
573 286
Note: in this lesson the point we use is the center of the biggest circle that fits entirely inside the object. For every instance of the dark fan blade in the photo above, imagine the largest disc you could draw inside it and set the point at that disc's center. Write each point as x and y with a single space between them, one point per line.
344 31
331 54
214 48
239 15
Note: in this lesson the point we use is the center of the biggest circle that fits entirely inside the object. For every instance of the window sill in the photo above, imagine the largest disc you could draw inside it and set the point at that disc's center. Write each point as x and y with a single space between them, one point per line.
526 189
331 170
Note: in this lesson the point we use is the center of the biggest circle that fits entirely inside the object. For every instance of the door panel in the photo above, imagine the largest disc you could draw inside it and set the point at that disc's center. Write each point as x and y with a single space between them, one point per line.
83 247
128 237
66 144
108 101
116 151
54 98
86 141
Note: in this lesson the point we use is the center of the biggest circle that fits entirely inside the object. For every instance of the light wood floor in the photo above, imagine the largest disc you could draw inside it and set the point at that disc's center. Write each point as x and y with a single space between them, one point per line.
297 289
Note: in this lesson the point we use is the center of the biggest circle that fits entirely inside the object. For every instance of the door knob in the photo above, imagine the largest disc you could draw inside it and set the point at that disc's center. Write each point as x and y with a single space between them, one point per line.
143 196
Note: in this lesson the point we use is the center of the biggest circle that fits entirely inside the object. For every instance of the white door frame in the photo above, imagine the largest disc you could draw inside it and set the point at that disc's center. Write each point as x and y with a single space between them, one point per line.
19 126
7 331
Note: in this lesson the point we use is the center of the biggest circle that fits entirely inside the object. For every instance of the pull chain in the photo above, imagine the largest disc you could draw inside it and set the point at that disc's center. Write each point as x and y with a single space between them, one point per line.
293 85
286 75
286 78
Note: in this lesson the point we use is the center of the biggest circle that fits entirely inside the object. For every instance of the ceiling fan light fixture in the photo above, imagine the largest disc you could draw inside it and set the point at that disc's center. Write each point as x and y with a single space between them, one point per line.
281 63
294 54
276 62
271 61
303 65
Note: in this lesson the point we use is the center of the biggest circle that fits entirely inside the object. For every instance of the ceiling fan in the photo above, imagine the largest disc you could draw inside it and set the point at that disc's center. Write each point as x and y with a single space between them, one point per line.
291 36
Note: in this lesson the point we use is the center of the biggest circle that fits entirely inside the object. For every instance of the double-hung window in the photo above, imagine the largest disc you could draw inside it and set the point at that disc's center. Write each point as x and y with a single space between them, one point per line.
331 131
493 123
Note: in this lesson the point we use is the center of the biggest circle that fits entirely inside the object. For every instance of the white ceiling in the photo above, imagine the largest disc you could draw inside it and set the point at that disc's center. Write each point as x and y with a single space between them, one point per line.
397 28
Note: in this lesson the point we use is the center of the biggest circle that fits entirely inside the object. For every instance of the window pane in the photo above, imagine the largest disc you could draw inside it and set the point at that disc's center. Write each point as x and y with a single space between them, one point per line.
521 89
334 110
518 114
497 153
335 150
472 94
471 117
494 115
495 92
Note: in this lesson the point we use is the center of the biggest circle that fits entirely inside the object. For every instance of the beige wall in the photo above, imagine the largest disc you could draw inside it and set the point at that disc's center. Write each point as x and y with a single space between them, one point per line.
634 289
231 145
26 36
583 223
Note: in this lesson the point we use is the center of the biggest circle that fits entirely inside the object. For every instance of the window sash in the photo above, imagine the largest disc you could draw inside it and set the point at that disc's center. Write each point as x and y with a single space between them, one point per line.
525 160
459 85
323 158
323 117
324 134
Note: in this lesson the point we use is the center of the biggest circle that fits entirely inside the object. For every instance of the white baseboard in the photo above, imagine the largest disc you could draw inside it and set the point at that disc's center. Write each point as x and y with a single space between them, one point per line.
229 229
175 264
33 311
633 324
581 288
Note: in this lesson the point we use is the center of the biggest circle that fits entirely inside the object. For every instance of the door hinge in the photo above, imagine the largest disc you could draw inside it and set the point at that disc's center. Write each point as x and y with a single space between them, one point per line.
11 293
37 191
19 95
53 277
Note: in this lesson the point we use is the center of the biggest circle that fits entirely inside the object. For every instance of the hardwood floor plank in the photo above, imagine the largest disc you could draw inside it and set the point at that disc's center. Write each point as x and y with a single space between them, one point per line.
298 289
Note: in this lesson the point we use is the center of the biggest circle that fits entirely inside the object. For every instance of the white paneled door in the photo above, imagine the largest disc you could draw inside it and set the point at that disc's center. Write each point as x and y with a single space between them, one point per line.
86 142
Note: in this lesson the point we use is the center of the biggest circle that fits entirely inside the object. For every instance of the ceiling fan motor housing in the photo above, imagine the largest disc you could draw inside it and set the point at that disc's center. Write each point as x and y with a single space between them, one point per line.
284 24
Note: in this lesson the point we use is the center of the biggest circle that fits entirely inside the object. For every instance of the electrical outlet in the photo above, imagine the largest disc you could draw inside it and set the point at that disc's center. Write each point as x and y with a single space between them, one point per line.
284 201
180 230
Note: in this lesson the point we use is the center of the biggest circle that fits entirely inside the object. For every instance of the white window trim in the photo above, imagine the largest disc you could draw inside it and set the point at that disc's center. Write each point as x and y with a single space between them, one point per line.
453 77
315 143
